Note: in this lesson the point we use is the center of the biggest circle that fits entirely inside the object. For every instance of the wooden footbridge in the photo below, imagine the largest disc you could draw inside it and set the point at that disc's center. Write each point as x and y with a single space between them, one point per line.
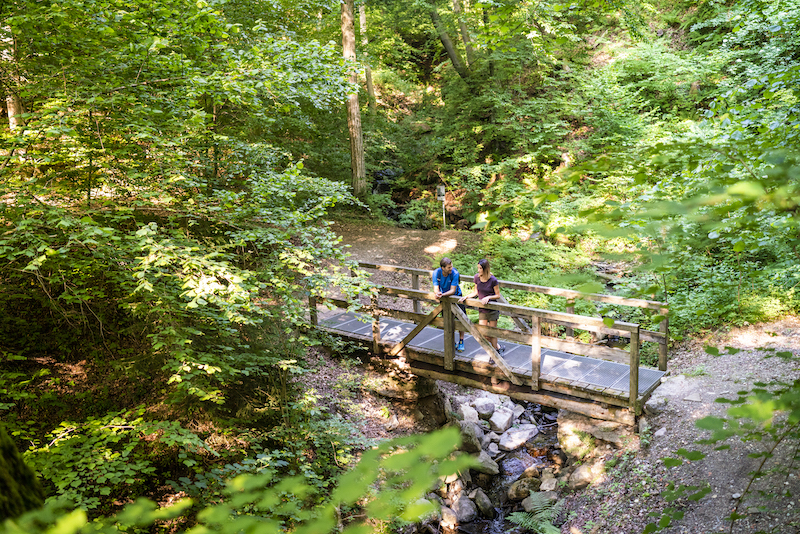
544 362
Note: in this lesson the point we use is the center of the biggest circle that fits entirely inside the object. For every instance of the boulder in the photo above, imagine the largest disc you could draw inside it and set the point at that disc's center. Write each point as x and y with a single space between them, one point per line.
514 438
484 407
465 510
501 419
486 465
468 413
549 484
531 472
484 503
581 477
522 488
469 440
489 437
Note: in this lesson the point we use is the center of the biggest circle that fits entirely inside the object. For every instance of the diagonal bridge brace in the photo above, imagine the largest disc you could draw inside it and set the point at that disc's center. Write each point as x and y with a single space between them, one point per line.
411 335
501 363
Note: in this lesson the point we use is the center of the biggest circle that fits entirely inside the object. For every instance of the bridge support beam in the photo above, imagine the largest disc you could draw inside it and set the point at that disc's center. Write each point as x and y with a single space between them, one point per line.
552 400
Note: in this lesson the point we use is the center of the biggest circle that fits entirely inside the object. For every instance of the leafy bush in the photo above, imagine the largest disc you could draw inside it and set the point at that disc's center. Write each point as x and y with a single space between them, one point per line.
95 463
387 483
423 212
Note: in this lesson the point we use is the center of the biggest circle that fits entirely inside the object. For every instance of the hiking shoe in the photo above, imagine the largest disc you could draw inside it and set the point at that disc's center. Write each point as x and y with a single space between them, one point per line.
460 346
501 349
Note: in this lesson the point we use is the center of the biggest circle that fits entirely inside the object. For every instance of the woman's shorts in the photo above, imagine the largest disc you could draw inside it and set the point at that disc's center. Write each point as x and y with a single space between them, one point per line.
489 315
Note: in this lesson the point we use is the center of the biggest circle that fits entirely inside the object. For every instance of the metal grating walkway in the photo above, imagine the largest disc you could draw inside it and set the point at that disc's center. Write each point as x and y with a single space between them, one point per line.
555 365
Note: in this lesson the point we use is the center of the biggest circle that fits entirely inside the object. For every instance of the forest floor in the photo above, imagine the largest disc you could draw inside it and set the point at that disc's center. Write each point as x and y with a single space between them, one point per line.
621 500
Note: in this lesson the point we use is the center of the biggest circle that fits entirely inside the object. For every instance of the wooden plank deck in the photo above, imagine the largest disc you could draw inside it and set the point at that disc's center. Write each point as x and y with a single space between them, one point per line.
579 376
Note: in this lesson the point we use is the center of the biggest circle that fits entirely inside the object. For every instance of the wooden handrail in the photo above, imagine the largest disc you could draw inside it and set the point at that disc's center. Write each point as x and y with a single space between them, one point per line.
510 309
551 291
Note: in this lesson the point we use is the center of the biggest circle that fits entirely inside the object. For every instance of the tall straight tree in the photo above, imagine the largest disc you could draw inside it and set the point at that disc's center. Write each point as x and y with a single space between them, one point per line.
362 20
11 80
353 110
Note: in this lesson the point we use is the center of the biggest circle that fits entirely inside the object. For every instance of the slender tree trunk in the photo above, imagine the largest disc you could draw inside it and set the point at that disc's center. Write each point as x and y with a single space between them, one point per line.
362 16
452 53
353 111
491 61
464 33
8 55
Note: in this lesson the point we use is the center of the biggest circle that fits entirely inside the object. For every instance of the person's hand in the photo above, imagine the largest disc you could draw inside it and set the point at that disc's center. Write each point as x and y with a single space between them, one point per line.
462 299
485 300
438 294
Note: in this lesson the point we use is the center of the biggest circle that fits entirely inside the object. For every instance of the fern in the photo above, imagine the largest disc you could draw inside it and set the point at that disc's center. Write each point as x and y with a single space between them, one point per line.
539 519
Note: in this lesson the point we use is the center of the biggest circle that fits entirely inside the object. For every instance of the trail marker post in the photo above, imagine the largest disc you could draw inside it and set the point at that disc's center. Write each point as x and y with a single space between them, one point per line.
440 192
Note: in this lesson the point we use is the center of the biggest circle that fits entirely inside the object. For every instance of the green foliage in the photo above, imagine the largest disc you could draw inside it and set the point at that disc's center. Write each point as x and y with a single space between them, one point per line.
422 212
93 463
540 519
391 477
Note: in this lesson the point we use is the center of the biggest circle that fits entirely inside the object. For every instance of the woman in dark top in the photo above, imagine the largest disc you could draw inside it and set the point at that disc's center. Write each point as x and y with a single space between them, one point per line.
486 288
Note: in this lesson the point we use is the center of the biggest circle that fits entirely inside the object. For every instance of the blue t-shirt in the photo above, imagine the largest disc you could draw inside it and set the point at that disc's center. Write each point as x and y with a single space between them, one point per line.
446 282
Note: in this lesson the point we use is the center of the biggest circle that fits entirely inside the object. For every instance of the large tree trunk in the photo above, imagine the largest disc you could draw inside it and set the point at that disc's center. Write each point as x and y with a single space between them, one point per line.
8 55
464 33
362 16
353 111
20 490
452 53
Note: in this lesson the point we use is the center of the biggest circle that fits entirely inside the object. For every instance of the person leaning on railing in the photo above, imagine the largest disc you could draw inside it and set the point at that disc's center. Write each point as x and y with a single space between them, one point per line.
487 288
446 283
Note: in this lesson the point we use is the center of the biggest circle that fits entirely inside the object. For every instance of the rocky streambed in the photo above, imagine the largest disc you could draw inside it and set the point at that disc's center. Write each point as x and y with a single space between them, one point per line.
526 455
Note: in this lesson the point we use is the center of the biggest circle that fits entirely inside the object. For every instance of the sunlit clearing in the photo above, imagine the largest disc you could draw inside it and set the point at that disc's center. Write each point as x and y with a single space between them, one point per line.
442 247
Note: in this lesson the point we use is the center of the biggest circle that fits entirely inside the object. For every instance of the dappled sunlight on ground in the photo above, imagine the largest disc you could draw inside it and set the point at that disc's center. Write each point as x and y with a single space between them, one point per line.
441 247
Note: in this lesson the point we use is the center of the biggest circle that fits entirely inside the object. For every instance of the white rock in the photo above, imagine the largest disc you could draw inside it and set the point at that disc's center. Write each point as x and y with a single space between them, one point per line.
469 413
549 484
514 438
501 419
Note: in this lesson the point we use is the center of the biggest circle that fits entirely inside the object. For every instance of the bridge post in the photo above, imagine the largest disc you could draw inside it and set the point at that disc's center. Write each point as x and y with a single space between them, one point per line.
536 351
662 348
449 334
633 393
571 310
312 310
415 285
376 325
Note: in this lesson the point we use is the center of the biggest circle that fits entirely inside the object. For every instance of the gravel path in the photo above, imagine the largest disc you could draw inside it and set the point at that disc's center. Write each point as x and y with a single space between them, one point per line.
622 500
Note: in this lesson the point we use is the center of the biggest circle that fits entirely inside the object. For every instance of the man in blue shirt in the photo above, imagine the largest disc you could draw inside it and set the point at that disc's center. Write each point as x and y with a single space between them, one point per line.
446 282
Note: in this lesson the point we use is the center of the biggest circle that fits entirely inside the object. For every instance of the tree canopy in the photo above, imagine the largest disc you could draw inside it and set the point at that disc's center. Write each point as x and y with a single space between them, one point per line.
169 170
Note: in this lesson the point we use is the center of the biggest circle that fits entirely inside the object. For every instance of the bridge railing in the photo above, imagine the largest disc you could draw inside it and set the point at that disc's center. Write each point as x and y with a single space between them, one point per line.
661 337
449 317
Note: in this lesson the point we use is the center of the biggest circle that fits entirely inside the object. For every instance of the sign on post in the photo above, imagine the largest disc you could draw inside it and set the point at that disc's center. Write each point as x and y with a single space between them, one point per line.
440 192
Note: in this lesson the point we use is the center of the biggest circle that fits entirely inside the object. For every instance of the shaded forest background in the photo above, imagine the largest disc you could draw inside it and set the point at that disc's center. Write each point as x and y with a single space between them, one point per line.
168 168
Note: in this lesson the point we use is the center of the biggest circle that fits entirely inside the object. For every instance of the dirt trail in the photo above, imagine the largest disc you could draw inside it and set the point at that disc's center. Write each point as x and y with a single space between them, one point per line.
620 501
